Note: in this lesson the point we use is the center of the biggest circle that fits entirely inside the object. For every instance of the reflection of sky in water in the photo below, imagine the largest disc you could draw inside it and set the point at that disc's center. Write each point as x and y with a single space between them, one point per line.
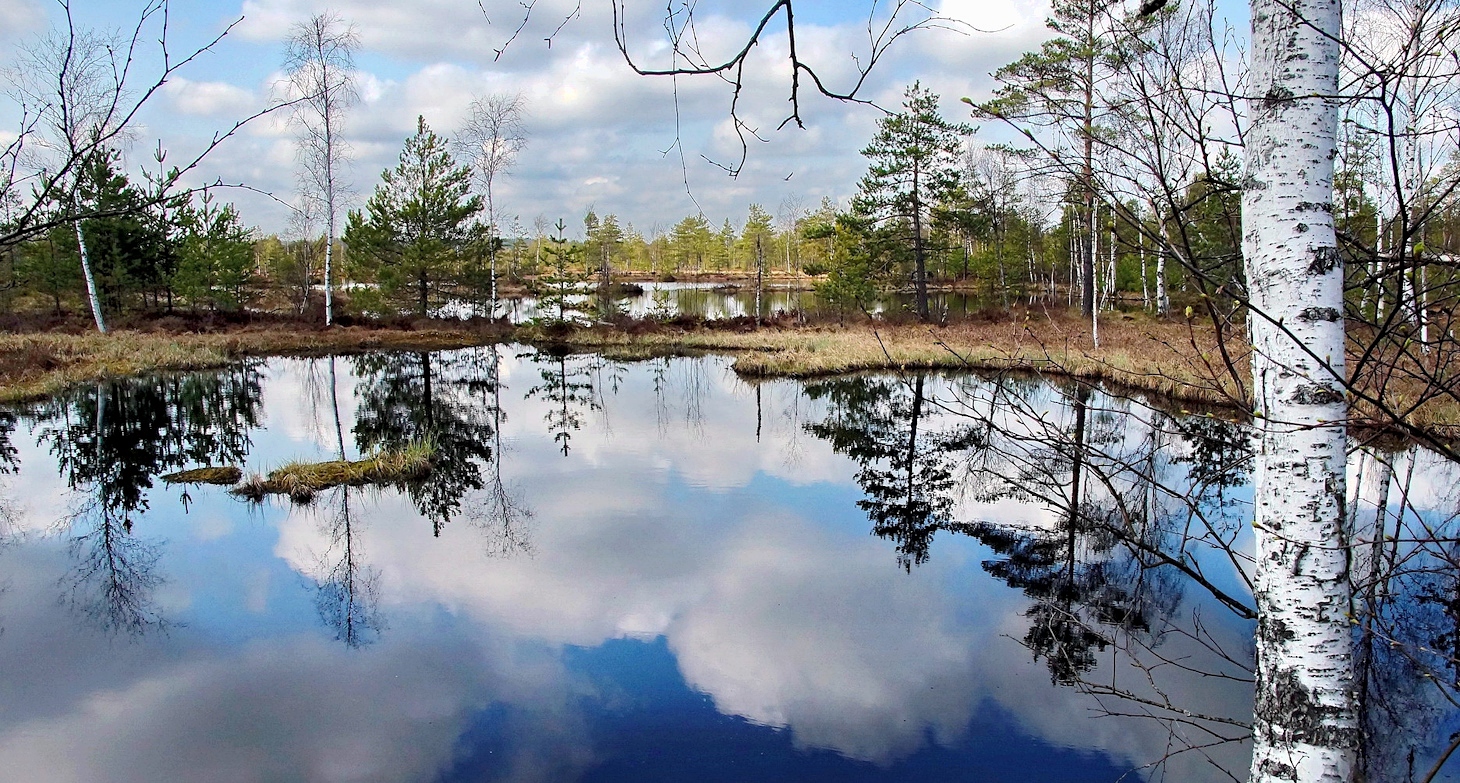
715 301
695 603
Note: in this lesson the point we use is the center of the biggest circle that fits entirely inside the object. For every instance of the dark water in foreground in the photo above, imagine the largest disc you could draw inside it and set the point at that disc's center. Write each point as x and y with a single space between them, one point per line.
657 572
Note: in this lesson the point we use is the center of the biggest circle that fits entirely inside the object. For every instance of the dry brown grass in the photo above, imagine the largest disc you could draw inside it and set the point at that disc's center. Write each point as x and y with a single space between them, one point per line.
1174 357
221 476
39 365
301 481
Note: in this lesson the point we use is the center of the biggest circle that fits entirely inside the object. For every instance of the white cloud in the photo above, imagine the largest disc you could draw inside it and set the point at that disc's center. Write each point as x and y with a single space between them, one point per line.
20 17
211 99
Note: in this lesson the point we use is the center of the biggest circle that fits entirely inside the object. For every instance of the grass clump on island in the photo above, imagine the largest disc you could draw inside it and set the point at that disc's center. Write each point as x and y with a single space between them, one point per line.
301 481
225 476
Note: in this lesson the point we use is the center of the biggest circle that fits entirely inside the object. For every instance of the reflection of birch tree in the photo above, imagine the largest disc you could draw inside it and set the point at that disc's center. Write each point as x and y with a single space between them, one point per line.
347 590
111 440
499 510
113 575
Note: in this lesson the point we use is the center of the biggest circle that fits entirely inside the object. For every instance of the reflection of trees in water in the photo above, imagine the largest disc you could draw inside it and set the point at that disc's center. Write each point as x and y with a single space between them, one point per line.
406 398
1141 542
568 387
907 479
499 511
347 589
8 453
117 436
1406 600
111 439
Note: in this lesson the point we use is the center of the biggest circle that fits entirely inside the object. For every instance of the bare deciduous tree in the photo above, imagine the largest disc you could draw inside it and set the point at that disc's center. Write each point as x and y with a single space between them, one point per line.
319 61
490 140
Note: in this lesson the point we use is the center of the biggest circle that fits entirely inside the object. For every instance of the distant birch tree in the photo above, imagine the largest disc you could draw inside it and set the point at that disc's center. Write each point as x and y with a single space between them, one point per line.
319 61
490 140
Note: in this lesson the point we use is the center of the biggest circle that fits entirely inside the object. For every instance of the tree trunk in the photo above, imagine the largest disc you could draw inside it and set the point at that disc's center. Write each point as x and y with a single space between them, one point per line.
1305 723
329 256
920 274
759 285
90 280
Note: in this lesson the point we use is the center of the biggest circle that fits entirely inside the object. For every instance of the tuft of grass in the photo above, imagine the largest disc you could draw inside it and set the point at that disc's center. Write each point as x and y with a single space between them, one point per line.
222 476
301 481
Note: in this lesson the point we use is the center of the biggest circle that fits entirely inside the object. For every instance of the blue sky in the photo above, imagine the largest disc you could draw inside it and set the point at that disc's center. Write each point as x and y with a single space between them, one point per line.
599 133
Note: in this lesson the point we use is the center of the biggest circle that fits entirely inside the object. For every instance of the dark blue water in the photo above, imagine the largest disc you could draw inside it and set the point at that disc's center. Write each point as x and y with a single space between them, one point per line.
625 572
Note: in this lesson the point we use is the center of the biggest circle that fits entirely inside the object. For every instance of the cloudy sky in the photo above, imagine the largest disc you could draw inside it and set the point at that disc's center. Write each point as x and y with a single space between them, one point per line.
599 133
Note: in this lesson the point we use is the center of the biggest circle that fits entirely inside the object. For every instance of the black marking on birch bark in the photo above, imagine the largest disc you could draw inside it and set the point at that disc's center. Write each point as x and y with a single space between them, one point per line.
1316 394
1274 629
1277 769
1313 206
1276 96
1287 706
1303 550
1325 260
1313 314
1302 228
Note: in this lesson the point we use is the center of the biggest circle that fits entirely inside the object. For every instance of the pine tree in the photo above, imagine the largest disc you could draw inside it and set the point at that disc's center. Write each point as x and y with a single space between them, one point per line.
1060 89
416 222
215 255
562 285
915 157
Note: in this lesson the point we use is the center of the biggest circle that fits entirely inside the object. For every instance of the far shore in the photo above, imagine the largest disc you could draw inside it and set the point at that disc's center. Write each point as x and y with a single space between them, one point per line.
1174 357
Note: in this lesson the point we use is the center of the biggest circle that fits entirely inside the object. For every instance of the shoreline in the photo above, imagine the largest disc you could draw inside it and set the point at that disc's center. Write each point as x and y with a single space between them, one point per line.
1171 358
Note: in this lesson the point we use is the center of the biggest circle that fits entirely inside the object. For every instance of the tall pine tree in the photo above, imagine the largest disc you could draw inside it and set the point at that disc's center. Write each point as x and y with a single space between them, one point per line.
915 158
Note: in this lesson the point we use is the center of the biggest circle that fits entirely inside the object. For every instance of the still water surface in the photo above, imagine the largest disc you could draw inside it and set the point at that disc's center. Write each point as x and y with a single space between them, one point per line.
711 301
653 572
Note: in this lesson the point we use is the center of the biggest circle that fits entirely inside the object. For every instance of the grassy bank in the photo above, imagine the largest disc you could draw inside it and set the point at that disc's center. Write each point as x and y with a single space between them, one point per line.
38 365
301 481
1172 357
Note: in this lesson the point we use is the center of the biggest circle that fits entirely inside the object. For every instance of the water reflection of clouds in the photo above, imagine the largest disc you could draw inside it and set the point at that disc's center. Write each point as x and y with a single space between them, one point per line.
784 612
292 708
755 568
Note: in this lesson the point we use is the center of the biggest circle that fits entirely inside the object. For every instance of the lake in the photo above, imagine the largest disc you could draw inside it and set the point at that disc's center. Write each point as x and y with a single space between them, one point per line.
656 571
715 301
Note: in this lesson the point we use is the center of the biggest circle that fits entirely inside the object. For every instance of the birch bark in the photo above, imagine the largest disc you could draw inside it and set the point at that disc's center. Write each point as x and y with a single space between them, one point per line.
1305 724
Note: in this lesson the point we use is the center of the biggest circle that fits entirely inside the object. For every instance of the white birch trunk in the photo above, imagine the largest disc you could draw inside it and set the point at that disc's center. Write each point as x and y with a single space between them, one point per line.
1145 286
90 280
329 253
1163 301
1305 725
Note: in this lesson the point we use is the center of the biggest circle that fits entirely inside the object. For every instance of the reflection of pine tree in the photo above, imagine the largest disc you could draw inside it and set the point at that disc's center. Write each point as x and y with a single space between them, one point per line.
406 398
8 454
1100 570
151 426
906 472
567 386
